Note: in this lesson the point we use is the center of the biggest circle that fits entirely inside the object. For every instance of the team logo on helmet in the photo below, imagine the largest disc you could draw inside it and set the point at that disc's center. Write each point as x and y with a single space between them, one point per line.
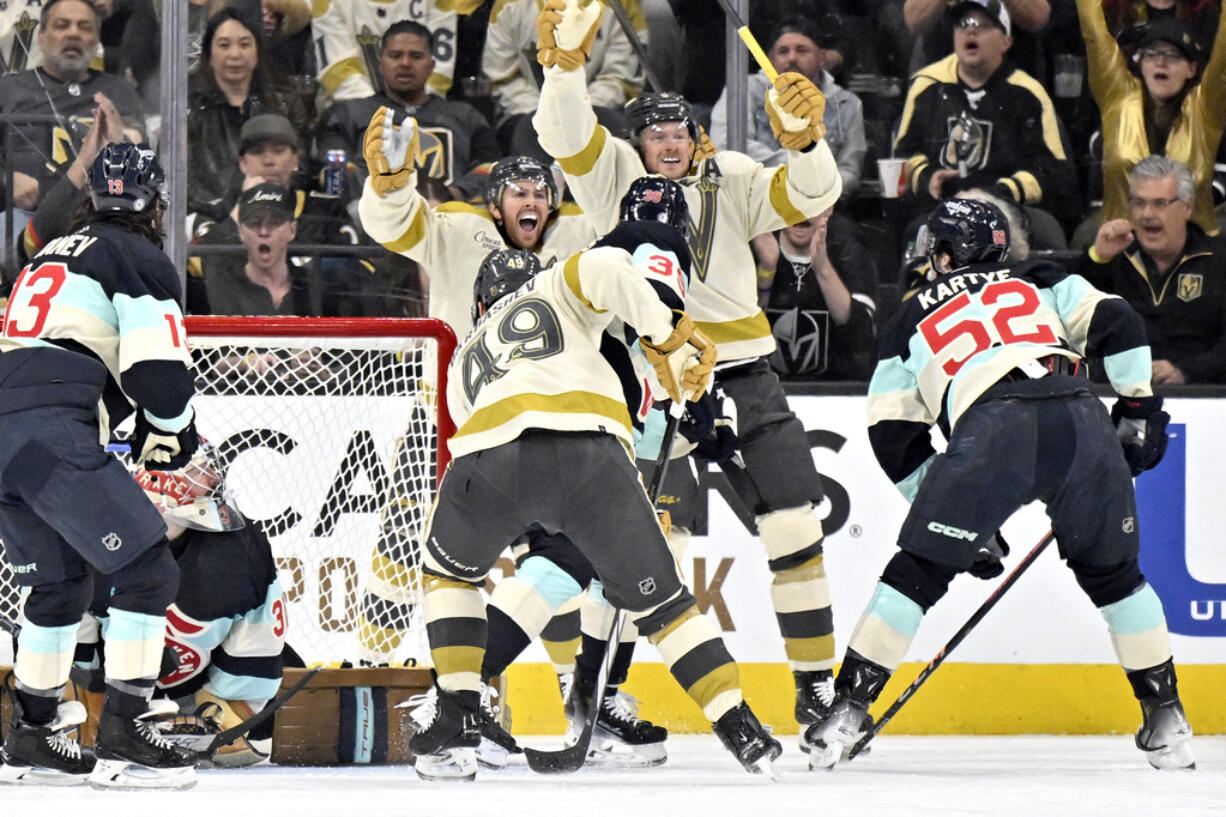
655 198
501 273
968 230
125 178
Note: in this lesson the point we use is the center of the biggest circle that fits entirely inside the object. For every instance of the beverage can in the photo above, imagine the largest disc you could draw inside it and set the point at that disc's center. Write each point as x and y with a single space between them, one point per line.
335 162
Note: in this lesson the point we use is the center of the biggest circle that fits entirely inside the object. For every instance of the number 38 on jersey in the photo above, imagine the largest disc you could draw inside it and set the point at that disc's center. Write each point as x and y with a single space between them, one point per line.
1002 313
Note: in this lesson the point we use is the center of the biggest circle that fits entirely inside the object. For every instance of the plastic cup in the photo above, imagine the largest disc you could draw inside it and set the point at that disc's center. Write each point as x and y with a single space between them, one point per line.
893 175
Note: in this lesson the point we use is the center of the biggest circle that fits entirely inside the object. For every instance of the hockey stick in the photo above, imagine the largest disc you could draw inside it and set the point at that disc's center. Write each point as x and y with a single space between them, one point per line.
623 20
751 42
944 652
227 736
571 758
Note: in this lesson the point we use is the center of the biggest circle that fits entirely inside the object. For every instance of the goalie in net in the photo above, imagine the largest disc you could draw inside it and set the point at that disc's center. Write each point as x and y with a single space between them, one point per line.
225 630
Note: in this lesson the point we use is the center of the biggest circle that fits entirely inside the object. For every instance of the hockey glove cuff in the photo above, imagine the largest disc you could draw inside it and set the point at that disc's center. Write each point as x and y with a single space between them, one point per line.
161 450
710 424
1140 423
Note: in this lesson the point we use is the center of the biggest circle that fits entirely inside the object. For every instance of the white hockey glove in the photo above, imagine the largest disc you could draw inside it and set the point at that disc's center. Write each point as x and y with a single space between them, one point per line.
565 31
162 450
683 361
390 151
796 108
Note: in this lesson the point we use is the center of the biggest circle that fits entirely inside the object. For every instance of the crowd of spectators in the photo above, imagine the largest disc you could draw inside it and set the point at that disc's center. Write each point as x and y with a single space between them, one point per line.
1050 107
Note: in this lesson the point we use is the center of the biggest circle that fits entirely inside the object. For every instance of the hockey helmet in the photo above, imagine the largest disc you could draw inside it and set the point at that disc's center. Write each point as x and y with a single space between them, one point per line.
655 198
502 272
970 231
664 106
194 496
513 168
125 178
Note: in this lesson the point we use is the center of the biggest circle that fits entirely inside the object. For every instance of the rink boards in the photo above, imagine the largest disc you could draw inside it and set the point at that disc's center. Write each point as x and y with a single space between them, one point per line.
1041 662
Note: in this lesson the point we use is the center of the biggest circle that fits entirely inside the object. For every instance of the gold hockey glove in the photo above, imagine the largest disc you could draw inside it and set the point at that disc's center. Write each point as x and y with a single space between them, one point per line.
796 107
705 148
683 361
390 151
565 31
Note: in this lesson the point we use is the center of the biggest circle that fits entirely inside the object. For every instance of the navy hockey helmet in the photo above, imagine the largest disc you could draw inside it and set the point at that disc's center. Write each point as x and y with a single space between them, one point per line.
664 106
655 198
125 178
520 167
502 272
969 231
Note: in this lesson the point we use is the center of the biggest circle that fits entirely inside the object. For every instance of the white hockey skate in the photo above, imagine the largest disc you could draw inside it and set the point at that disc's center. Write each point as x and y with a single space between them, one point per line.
45 755
1165 736
448 733
830 739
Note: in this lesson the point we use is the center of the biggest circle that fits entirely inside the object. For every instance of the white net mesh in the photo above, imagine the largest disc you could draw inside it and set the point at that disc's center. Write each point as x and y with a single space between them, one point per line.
328 433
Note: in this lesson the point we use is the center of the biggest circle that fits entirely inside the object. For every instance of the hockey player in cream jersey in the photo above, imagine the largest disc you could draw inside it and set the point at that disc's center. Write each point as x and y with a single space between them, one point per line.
731 199
449 241
544 438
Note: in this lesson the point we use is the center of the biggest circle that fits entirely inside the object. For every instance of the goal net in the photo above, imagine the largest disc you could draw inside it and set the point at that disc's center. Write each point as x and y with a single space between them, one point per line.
332 436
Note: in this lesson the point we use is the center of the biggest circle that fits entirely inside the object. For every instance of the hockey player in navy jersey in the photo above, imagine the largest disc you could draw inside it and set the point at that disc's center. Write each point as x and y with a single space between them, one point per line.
545 438
93 332
994 355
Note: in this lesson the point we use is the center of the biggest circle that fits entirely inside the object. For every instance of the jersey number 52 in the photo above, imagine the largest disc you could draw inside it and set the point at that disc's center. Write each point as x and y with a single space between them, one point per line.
1011 305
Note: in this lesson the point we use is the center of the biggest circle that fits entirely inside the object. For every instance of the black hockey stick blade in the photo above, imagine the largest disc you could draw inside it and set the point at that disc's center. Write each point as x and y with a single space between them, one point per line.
571 758
227 736
953 642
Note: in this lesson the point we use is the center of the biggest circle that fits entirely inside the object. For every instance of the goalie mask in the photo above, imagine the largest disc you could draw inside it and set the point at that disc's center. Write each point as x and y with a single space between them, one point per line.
194 496
655 198
502 272
969 231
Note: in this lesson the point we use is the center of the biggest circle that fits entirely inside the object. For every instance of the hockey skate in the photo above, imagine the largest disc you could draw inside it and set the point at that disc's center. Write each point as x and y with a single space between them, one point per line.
620 738
1165 735
132 754
45 754
448 734
497 745
814 694
829 740
749 741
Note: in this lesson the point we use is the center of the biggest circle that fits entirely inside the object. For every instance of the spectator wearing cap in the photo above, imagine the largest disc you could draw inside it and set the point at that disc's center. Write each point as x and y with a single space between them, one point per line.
265 281
1160 109
231 85
455 138
934 22
976 120
793 46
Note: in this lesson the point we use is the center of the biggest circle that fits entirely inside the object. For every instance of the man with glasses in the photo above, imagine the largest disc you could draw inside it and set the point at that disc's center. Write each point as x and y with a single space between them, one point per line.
1163 264
1155 105
975 120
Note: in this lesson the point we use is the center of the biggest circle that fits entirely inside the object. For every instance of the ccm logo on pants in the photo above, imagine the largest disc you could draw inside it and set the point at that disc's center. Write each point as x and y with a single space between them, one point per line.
951 531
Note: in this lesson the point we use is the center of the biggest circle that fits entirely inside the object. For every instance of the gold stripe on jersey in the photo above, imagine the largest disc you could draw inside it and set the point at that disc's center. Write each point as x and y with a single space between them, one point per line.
318 7
337 74
570 272
751 328
412 236
574 402
780 201
582 162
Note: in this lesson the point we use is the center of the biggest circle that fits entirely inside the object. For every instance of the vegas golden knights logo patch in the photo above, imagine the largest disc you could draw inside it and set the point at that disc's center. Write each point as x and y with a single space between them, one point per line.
1191 285
702 232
